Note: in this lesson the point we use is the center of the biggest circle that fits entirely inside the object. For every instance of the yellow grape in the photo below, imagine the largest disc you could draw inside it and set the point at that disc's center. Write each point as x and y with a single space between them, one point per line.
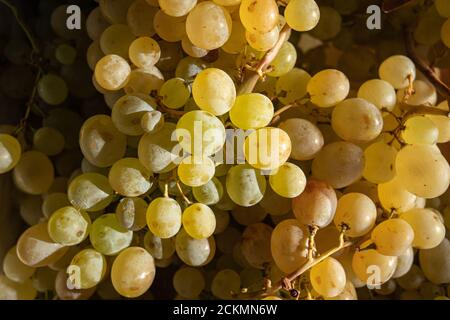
64 293
90 192
194 252
157 247
164 217
10 152
379 92
443 125
396 70
245 185
251 111
349 293
420 130
358 212
144 81
144 52
108 236
190 49
189 282
255 245
129 178
214 91
372 267
199 221
424 93
328 277
15 269
226 283
210 193
404 263
328 87
196 171
259 15
237 40
329 25
112 72
284 61
263 41
393 237
69 226
10 290
131 213
394 196
169 28
288 180
139 16
435 263
34 173
302 15
346 259
379 162
133 272
175 93
49 141
127 113
52 89
291 87
116 39
177 8
87 269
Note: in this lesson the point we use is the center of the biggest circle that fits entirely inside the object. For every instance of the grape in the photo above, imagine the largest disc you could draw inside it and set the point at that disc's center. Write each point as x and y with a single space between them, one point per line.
210 193
68 226
393 196
34 173
267 148
144 81
30 209
245 185
251 111
10 290
259 15
169 28
175 93
248 215
289 245
288 180
358 212
15 269
144 52
284 61
443 125
159 248
52 89
365 262
429 231
128 177
237 39
329 24
196 171
420 130
346 260
379 162
302 15
424 93
256 245
48 141
200 133
274 204
393 237
188 68
177 8
316 206
127 113
10 152
412 279
445 33
192 50
378 92
423 170
328 87
365 118
156 149
115 10
138 17
58 23
387 288
199 221
189 282
194 252
108 236
96 24
65 54
263 41
225 284
291 87
116 40
435 262
396 70
349 293
164 217
339 164
87 269
131 213
65 293
152 121
112 72
90 192
214 91
404 263
328 277
222 220
442 7
133 272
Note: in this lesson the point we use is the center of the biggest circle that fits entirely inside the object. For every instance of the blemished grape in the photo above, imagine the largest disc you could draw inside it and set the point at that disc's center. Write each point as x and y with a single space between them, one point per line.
209 193
398 71
366 261
259 16
144 52
129 178
328 87
199 221
302 15
131 213
245 185
255 245
107 235
152 121
194 252
112 72
159 248
196 171
291 87
164 217
68 226
262 41
175 93
10 152
90 192
87 269
328 277
251 111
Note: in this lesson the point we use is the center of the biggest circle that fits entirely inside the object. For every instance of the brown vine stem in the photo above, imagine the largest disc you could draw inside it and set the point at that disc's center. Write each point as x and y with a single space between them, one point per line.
429 72
251 77
277 114
171 112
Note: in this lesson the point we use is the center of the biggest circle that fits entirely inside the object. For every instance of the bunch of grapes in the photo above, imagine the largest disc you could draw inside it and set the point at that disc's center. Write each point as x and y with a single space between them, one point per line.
227 149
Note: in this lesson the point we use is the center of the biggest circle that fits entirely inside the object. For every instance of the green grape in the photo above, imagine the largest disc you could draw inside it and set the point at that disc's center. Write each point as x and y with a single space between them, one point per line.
144 81
442 7
209 193
328 87
176 8
245 185
396 70
139 15
379 92
302 15
86 269
288 180
10 290
133 272
358 212
237 40
420 130
112 72
15 269
435 263
379 164
251 111
152 121
65 54
190 49
259 15
423 170
164 217
159 248
225 284
199 221
175 93
329 24
394 196
200 133
365 261
214 91
169 28
36 249
49 141
291 87
263 41
10 152
429 231
108 236
53 202
34 173
129 178
131 213
189 282
316 206
393 237
284 61
255 245
366 120
69 226
90 192
443 125
194 252
328 277
289 245
116 39
196 171
30 209
115 10
339 163
144 52
52 89
96 24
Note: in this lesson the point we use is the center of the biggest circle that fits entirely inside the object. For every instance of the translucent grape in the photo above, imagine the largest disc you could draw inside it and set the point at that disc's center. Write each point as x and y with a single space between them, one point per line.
328 87
328 277
196 171
169 28
189 282
112 72
90 192
108 236
34 173
131 213
194 252
420 130
394 196
48 141
52 89
263 41
116 39
175 93
255 245
144 81
379 162
284 61
245 185
379 92
288 180
10 290
226 283
144 52
199 221
302 15
251 111
159 248
291 87
364 263
139 16
443 125
209 193
393 237
424 93
435 263
259 16
177 8
10 152
349 293
404 263
129 178
329 24
86 269
68 226
237 39
396 70
15 269
164 217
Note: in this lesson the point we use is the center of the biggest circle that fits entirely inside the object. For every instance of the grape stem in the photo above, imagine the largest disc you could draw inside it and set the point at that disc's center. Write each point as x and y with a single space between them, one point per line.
172 113
251 77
